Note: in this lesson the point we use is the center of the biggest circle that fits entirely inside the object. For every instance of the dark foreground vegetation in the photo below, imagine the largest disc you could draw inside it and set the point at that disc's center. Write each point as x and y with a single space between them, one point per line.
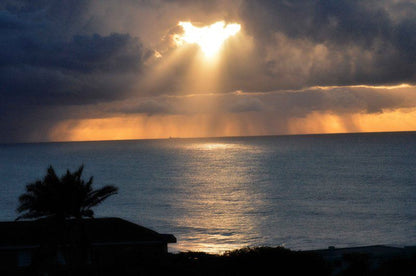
259 261
279 261
248 261
255 261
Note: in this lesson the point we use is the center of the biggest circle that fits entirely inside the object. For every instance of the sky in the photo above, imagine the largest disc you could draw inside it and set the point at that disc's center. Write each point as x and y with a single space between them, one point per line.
105 69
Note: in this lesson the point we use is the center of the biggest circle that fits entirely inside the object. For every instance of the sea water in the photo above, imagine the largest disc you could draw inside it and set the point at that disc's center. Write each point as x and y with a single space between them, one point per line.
219 194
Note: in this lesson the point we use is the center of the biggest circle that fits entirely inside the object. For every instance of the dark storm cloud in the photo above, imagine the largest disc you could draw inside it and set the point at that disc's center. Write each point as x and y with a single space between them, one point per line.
341 100
283 104
336 21
34 64
50 57
150 107
246 105
371 42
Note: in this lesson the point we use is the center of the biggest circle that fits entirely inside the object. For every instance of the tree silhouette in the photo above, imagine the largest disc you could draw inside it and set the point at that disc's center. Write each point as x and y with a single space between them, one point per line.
63 197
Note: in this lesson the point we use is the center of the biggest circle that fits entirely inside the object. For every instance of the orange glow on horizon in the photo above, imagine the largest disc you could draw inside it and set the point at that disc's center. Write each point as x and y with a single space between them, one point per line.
388 121
209 125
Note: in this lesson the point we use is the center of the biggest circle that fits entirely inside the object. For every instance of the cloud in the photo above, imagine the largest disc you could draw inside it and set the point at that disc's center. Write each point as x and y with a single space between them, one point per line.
298 44
32 64
341 100
90 60
48 60
149 107
247 105
368 43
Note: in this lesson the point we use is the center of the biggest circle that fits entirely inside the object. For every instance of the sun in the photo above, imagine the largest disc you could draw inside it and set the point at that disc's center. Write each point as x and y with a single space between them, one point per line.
208 38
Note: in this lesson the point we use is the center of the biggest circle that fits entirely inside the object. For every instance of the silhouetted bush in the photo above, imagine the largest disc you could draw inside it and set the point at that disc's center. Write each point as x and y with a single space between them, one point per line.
399 266
246 261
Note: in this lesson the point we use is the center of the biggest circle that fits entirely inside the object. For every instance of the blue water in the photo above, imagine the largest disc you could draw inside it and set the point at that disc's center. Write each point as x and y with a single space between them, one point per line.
218 194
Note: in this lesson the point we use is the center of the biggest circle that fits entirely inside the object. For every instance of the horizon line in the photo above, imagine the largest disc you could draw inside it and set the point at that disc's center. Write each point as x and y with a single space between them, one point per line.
208 137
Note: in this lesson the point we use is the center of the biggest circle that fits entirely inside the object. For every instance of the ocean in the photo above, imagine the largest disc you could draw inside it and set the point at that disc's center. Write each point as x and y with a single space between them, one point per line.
218 194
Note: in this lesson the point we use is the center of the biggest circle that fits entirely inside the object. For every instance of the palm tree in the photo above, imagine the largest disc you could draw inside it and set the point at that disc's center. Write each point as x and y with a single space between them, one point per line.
63 197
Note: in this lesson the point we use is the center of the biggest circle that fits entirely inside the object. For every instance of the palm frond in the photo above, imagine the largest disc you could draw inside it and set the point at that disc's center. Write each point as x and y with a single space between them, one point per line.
62 197
97 196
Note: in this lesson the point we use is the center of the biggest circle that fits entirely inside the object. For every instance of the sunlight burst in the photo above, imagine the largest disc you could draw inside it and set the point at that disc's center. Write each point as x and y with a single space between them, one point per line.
209 38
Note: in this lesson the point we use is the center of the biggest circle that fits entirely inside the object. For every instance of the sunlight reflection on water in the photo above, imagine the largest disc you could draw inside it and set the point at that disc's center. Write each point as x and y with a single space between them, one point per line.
209 146
220 198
